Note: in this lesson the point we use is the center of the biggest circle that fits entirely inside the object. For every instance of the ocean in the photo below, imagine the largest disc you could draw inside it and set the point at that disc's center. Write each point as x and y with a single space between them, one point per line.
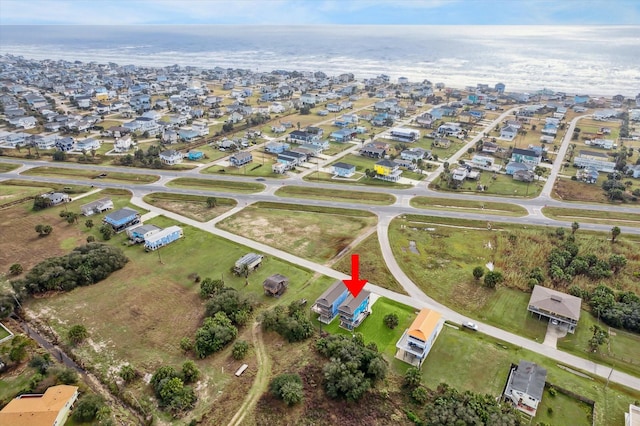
598 60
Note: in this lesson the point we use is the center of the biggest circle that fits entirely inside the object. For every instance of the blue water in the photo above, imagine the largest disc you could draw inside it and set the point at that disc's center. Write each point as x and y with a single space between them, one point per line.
597 60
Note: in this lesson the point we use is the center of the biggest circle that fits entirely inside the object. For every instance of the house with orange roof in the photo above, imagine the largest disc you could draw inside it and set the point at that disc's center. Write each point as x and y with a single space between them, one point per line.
49 409
416 341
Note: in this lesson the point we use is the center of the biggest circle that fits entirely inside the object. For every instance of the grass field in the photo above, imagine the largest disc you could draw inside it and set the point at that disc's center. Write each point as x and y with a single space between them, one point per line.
317 234
483 207
191 206
608 217
7 167
89 174
328 177
448 254
260 167
621 352
140 313
217 185
377 198
481 364
502 185
373 328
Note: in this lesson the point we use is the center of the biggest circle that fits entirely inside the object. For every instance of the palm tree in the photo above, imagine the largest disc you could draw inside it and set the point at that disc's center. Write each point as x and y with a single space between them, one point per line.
615 231
574 227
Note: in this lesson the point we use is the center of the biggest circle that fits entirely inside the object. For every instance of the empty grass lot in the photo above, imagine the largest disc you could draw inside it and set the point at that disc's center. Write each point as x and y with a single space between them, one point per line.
119 177
7 167
502 185
363 197
483 207
191 206
608 217
217 185
314 233
328 177
14 189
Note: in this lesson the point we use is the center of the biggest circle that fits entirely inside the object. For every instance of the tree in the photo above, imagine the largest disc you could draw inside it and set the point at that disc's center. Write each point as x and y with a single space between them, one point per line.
77 334
600 337
212 202
287 387
344 379
210 287
106 231
615 232
574 227
493 278
420 395
87 408
478 272
88 223
40 229
47 229
190 372
186 344
412 377
41 203
67 376
59 156
128 373
16 269
617 262
391 320
240 349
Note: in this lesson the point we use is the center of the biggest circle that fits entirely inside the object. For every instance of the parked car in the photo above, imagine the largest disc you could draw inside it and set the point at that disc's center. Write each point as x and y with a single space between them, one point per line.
470 325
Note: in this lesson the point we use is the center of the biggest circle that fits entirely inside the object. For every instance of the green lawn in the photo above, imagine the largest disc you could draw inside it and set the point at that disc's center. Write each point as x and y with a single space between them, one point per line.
565 410
336 148
217 185
328 177
621 353
89 174
7 167
191 206
502 185
434 203
377 198
373 328
473 361
611 217
3 333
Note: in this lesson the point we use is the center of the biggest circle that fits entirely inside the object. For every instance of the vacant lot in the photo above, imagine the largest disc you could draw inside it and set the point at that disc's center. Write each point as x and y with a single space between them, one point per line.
27 248
363 197
483 207
496 184
217 185
7 167
259 167
317 234
191 206
90 174
566 189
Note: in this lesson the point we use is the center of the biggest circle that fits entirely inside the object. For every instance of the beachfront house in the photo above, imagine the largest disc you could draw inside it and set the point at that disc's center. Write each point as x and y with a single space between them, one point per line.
417 340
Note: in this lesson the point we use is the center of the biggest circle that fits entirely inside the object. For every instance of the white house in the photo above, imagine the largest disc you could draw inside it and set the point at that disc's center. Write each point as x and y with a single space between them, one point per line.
123 144
87 144
508 133
171 157
200 127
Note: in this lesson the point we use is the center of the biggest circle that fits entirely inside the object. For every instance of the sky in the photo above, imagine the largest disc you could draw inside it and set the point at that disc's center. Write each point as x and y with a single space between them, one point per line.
320 12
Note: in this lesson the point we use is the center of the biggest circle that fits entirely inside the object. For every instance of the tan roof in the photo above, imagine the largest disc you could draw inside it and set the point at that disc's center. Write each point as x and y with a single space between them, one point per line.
37 410
556 302
424 324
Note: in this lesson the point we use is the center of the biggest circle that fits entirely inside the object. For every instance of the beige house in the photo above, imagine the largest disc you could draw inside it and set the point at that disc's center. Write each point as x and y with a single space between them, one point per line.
556 306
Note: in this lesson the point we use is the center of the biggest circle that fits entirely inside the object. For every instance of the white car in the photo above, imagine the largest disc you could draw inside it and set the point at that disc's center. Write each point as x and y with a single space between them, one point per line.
470 325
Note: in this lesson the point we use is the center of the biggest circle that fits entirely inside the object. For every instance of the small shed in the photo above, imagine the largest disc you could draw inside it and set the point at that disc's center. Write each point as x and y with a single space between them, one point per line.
275 285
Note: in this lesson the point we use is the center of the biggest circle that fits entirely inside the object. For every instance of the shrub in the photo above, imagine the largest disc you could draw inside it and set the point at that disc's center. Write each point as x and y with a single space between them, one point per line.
190 372
287 387
391 320
240 349
420 395
128 373
16 269
77 334
87 408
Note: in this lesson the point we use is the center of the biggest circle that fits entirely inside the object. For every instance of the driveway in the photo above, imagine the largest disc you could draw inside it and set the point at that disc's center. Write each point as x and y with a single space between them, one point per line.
554 332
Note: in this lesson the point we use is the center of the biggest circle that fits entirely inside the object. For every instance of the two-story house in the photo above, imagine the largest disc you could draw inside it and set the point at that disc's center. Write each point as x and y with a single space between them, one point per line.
416 341
354 310
387 170
328 304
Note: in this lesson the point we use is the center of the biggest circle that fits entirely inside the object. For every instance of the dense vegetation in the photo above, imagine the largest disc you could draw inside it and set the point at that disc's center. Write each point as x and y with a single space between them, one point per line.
85 265
621 310
169 387
293 323
353 368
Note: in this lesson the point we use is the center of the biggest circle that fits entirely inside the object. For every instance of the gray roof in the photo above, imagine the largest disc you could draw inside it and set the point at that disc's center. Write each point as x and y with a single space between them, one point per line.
556 302
352 303
528 378
143 229
331 294
248 258
274 281
123 213
92 205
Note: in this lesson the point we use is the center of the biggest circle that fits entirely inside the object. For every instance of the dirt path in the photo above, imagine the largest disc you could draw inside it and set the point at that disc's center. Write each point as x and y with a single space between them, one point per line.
261 381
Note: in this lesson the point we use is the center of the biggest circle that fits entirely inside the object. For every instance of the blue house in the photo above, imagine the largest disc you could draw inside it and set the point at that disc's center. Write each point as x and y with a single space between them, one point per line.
195 155
476 113
354 310
499 88
122 219
140 233
276 147
514 167
416 341
580 99
341 123
329 302
528 156
188 135
343 135
162 238
291 158
344 169
65 144
298 136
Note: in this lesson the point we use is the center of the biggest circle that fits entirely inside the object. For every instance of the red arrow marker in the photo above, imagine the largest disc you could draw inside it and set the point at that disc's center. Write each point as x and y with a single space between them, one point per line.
355 284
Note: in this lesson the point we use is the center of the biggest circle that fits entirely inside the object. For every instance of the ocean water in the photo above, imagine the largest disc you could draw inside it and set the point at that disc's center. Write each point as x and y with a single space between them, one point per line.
599 60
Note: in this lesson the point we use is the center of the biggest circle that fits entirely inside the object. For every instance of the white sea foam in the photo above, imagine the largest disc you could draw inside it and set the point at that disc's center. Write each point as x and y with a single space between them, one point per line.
596 60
